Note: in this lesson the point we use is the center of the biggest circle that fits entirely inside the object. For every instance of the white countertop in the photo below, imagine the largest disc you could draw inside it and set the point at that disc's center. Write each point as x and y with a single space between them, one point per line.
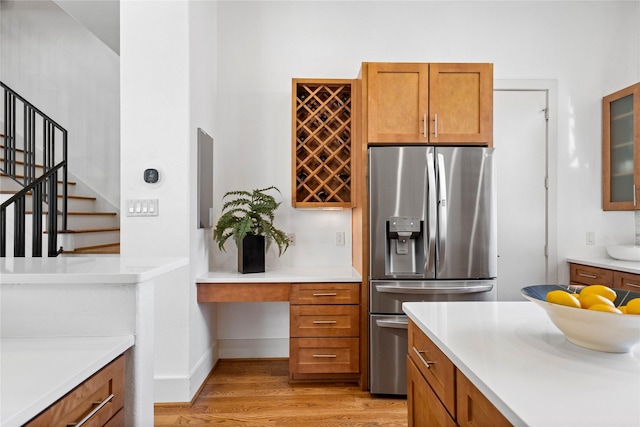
35 372
610 263
85 269
284 275
523 364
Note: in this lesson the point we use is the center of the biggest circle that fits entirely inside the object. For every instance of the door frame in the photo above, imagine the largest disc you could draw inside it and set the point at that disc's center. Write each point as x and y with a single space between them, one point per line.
550 88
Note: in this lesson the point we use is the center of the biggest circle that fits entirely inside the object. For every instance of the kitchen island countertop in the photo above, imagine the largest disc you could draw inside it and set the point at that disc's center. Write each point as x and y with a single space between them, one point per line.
36 371
527 369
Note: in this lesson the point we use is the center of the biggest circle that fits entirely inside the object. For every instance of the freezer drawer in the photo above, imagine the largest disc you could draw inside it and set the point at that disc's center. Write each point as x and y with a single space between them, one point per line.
388 354
387 296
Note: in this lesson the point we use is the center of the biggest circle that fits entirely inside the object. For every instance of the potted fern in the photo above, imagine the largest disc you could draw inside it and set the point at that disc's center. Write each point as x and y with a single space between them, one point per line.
248 218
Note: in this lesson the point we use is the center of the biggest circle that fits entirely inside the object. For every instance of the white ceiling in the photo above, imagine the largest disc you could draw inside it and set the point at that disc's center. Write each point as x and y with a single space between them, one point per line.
101 17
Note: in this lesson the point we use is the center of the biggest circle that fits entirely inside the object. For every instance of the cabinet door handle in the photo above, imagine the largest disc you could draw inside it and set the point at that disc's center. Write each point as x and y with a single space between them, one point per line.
325 356
420 353
634 194
93 412
633 285
435 125
424 125
588 276
324 322
326 294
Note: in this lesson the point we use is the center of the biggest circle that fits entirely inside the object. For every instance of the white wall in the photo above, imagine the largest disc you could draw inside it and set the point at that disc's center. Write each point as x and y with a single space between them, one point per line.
68 73
168 90
591 48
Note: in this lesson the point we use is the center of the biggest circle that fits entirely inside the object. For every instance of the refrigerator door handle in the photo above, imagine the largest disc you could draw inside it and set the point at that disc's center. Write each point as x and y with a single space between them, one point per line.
431 214
442 214
466 289
393 324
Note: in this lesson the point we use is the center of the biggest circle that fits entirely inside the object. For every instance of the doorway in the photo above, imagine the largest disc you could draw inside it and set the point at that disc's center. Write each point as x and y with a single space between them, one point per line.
522 122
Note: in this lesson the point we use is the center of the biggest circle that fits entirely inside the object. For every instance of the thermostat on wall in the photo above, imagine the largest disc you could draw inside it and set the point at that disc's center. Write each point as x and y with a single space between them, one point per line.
151 175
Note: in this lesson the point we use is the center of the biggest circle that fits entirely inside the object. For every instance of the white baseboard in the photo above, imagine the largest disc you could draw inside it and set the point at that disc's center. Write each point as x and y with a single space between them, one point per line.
253 348
181 389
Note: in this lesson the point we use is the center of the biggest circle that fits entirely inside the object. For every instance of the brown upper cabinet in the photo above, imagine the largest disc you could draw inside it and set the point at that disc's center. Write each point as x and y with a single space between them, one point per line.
621 150
429 103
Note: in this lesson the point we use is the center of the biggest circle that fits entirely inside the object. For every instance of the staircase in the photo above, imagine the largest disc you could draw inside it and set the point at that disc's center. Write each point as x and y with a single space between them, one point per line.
83 230
88 231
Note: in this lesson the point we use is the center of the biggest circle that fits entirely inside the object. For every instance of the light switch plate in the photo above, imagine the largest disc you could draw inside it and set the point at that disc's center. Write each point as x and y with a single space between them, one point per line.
142 207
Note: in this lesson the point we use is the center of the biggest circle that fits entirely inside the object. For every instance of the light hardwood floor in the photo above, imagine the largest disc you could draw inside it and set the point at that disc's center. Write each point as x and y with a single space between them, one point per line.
258 393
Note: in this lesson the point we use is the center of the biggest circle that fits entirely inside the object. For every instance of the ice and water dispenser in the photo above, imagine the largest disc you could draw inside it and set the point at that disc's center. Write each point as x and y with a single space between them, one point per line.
405 246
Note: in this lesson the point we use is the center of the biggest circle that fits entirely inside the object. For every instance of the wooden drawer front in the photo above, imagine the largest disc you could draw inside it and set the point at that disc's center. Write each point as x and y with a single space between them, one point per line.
325 293
107 385
424 407
627 281
474 410
324 320
436 368
587 275
324 355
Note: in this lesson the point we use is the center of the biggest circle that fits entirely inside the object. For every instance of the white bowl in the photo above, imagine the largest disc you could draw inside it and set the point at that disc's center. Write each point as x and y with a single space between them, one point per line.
624 252
596 330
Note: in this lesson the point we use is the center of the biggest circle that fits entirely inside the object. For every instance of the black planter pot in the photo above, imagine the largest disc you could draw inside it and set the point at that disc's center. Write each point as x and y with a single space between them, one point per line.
251 254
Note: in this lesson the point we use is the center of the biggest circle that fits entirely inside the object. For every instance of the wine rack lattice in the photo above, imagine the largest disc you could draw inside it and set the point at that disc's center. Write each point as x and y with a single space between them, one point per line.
322 143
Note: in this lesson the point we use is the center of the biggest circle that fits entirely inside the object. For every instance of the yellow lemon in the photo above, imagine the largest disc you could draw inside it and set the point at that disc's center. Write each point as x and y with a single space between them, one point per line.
563 298
623 309
633 306
601 290
588 300
605 307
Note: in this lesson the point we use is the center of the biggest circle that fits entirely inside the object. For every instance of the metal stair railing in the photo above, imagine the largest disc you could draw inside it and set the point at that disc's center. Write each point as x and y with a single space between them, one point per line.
36 127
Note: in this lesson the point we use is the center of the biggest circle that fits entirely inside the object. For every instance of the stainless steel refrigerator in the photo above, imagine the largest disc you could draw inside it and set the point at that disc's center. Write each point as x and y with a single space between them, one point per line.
433 237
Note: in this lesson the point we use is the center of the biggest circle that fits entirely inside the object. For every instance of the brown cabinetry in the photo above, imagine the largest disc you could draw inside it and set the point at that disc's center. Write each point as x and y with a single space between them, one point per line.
429 103
582 275
438 394
324 331
586 275
322 135
99 401
423 405
474 410
621 150
626 281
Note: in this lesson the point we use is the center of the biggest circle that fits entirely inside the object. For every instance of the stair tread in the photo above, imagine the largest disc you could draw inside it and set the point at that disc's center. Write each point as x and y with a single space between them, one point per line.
69 196
80 213
22 177
89 230
108 248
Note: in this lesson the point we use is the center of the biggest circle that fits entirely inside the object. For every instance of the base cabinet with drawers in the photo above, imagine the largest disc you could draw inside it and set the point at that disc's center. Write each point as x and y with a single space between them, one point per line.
324 331
98 401
439 394
581 275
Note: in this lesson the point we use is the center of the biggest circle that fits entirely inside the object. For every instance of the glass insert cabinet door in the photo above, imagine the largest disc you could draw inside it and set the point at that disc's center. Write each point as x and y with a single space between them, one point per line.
621 149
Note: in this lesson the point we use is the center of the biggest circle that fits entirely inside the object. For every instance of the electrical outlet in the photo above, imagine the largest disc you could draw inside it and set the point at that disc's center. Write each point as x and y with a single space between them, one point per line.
340 238
591 237
292 239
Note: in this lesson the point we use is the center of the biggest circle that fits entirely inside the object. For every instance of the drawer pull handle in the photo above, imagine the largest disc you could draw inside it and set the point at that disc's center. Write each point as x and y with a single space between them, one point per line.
588 276
326 294
324 322
93 412
633 285
420 353
325 356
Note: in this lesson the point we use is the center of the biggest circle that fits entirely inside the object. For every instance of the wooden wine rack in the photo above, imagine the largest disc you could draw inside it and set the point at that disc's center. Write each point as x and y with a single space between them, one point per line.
322 135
